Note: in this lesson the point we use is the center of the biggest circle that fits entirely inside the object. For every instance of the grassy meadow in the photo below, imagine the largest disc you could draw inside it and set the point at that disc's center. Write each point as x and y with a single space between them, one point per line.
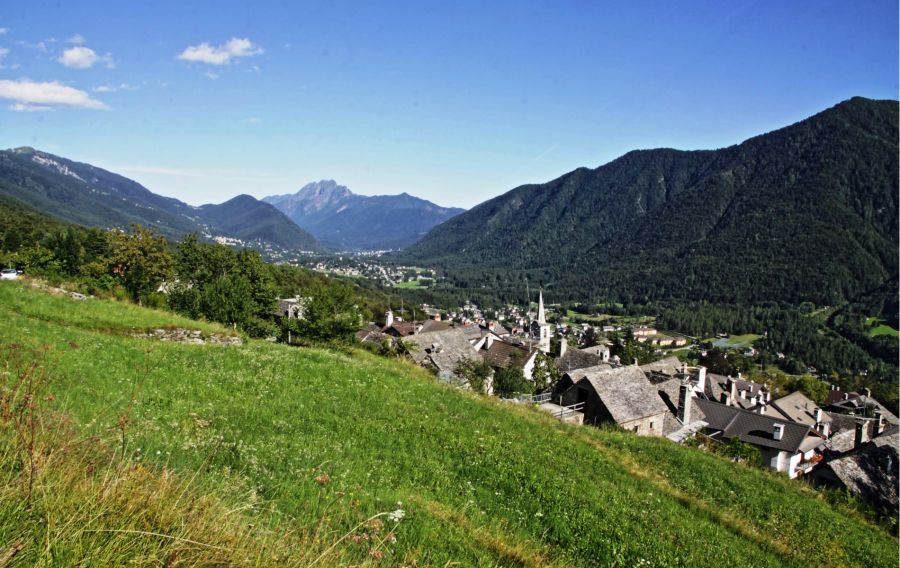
159 453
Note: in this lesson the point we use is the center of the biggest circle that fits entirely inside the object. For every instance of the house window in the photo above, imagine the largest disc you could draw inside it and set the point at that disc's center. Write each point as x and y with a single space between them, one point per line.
636 428
651 425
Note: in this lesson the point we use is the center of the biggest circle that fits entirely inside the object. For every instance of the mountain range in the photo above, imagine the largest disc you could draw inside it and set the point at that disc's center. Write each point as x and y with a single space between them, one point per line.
342 219
87 195
805 213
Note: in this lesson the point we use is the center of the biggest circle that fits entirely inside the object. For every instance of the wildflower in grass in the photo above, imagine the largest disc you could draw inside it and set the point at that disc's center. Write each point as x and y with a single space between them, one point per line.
396 516
375 553
322 479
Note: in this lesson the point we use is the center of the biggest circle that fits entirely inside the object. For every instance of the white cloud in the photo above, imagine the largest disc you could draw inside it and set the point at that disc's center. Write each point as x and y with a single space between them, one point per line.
252 120
3 31
4 51
211 75
24 107
81 57
114 88
77 39
220 54
30 95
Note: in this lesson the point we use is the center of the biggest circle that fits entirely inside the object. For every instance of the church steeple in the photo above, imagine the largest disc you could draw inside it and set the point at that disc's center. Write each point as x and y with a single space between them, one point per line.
543 328
542 317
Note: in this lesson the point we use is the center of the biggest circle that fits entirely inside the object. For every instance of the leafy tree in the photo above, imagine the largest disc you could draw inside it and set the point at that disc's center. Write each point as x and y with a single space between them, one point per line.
511 381
545 373
477 372
141 260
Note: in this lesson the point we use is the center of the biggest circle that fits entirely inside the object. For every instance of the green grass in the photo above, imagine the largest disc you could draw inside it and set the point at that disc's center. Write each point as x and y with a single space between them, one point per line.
410 285
736 341
878 327
481 483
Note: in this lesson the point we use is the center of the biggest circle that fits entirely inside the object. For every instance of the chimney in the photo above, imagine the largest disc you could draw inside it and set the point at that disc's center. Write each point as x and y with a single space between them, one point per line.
732 400
818 417
846 396
701 379
388 318
489 340
563 345
724 398
861 436
868 393
685 393
778 433
880 425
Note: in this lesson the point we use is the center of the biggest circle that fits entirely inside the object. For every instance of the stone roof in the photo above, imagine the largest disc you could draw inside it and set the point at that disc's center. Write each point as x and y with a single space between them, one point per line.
857 405
442 350
797 407
716 385
574 359
669 366
371 334
668 391
871 472
625 391
753 428
434 325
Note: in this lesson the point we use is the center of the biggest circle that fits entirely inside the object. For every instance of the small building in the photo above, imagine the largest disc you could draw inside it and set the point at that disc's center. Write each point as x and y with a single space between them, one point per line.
572 359
291 308
621 395
505 355
442 351
785 446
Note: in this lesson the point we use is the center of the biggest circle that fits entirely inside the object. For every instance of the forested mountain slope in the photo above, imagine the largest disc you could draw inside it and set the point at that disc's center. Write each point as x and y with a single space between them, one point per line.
807 212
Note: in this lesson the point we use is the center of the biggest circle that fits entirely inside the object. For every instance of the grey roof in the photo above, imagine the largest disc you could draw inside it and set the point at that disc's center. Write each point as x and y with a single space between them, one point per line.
716 385
668 391
371 334
753 428
441 349
669 366
797 407
842 442
574 359
858 405
434 325
871 472
625 391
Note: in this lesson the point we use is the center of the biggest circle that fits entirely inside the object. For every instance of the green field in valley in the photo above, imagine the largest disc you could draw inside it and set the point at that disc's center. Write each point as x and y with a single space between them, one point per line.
264 454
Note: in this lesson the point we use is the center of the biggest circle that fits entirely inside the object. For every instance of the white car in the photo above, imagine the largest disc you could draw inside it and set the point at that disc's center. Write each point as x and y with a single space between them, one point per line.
9 274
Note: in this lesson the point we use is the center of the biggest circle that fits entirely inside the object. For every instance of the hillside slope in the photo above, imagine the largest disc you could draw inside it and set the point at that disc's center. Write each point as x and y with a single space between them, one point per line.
337 216
808 212
330 440
86 195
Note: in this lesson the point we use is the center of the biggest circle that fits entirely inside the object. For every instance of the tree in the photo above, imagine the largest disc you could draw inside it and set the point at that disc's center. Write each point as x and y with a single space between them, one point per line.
511 381
545 373
141 260
477 372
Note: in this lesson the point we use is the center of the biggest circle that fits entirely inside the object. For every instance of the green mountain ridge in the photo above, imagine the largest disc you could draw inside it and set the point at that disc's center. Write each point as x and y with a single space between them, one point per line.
807 212
86 195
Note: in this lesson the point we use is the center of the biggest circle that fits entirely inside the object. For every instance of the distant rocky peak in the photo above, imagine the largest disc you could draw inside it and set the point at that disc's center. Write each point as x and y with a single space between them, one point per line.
326 189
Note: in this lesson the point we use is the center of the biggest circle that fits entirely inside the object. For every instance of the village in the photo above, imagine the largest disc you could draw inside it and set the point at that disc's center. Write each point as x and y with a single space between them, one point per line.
848 442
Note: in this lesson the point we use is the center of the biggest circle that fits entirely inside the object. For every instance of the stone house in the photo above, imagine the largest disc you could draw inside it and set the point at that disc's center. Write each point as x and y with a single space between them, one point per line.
785 446
620 395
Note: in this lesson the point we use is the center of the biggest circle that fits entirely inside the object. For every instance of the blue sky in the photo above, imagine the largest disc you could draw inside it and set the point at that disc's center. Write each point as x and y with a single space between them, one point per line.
453 101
